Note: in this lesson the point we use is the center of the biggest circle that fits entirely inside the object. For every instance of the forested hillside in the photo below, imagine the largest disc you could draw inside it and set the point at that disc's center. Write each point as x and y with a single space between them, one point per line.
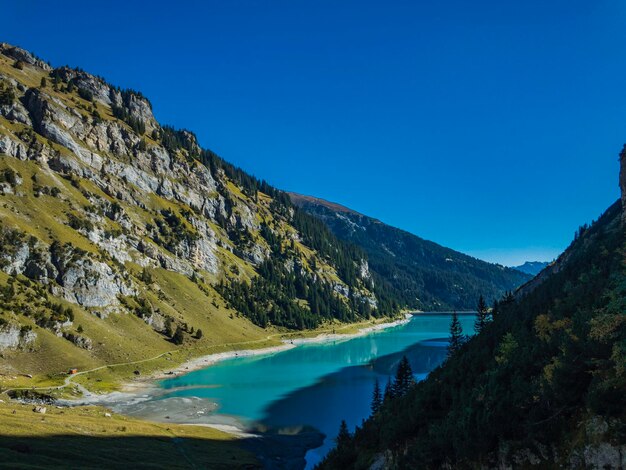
542 385
415 271
121 238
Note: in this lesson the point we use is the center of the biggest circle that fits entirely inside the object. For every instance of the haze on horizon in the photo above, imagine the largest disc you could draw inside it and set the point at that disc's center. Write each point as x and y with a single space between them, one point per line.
490 128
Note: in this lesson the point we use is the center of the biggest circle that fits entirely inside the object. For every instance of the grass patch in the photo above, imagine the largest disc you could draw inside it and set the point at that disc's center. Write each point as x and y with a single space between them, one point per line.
83 437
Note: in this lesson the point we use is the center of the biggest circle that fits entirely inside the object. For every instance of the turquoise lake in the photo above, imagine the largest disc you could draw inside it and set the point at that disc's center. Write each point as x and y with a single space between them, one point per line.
316 384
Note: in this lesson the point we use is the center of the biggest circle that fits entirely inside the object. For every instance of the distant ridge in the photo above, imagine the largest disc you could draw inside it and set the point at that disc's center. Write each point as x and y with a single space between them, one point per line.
532 267
301 200
421 273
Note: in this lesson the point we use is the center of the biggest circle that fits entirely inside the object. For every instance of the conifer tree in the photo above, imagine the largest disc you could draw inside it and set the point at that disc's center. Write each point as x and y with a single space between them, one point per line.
508 298
377 399
404 378
482 315
343 437
495 309
388 395
456 335
179 336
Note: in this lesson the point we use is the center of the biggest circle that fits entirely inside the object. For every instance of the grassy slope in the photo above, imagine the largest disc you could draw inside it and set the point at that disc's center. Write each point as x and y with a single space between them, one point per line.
123 338
84 437
118 338
122 342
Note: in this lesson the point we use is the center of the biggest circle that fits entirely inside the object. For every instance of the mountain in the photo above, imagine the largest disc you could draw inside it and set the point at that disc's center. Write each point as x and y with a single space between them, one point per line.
421 273
122 239
541 386
532 267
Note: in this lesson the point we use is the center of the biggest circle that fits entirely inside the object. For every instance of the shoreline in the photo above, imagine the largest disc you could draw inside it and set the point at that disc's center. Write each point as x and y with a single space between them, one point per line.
135 389
144 389
205 361
138 395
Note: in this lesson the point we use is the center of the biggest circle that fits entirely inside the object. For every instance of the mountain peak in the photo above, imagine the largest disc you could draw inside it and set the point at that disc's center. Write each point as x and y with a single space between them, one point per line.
531 267
22 55
301 200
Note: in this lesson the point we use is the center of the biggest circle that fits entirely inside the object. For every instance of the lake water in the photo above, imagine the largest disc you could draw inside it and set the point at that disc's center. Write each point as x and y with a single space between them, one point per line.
315 384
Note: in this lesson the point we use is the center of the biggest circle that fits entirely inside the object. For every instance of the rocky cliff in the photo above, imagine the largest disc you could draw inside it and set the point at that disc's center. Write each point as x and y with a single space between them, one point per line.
115 228
121 237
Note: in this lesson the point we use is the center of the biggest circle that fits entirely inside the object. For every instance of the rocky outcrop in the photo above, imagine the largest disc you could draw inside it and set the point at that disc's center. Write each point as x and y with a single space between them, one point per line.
88 282
23 56
136 194
32 260
78 340
14 337
156 320
16 112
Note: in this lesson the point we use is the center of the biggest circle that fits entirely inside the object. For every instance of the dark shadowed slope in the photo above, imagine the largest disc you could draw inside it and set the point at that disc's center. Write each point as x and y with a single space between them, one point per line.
543 384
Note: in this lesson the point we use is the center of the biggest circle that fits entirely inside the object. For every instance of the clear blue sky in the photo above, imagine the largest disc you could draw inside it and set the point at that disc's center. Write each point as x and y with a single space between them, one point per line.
492 127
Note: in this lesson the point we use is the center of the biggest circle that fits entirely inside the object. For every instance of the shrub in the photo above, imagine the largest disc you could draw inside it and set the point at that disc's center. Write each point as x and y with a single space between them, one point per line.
78 223
7 95
9 176
85 94
179 336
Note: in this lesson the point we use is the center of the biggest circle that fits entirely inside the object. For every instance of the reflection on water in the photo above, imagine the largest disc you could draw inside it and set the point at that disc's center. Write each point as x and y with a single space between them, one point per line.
316 384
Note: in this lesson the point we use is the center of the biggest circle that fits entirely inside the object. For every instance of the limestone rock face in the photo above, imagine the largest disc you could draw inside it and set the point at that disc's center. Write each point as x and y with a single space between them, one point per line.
13 337
78 340
22 55
92 283
117 175
16 112
32 261
12 147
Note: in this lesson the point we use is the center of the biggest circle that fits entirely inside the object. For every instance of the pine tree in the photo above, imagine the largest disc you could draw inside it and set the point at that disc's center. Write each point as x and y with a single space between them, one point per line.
377 399
495 309
343 437
508 298
179 336
456 335
388 395
169 327
404 378
482 315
